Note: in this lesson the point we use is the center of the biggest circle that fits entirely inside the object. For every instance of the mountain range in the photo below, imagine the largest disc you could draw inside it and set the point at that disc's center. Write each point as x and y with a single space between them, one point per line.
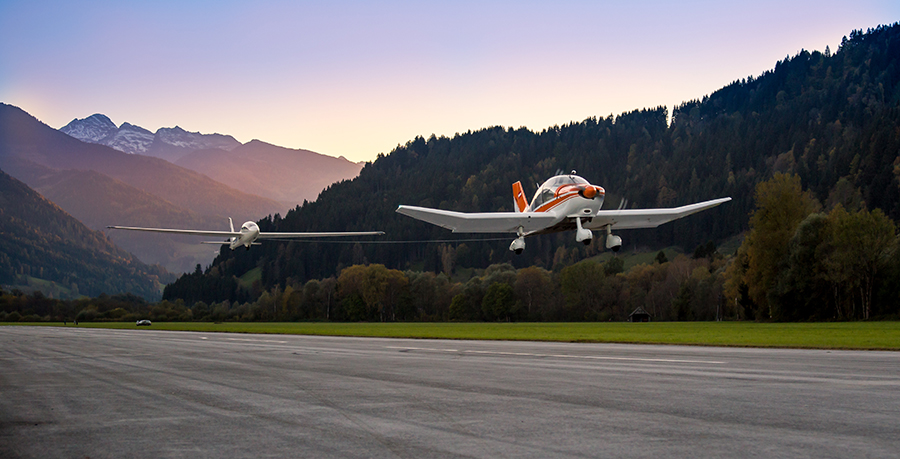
285 175
167 143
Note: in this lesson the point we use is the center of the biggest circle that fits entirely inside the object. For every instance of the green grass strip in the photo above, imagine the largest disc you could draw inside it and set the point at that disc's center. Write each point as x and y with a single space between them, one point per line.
836 335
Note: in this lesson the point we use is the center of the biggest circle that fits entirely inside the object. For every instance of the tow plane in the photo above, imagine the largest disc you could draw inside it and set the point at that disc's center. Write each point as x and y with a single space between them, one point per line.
562 203
248 235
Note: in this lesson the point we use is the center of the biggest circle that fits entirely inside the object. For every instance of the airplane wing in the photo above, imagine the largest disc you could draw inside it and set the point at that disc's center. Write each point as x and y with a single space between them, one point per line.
180 231
647 218
482 222
238 234
303 235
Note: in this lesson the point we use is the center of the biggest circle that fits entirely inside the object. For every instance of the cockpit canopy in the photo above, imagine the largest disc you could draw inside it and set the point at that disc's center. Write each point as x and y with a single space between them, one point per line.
548 190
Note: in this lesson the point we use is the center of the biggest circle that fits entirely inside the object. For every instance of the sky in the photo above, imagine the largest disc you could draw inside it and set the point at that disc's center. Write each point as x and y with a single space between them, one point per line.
358 78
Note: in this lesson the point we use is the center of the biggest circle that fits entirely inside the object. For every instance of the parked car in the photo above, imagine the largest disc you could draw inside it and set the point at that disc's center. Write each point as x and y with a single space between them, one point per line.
143 322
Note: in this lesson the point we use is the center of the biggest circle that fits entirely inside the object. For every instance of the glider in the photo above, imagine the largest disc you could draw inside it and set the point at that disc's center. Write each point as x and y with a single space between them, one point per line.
248 234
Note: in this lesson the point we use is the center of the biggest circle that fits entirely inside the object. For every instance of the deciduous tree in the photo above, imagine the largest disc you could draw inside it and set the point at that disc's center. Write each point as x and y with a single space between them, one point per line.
781 204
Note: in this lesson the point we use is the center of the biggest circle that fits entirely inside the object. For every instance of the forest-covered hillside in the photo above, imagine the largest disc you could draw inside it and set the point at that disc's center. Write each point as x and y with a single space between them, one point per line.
831 119
41 243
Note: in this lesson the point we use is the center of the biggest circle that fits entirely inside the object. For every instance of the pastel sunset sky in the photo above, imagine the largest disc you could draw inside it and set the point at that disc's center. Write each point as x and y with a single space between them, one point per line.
356 78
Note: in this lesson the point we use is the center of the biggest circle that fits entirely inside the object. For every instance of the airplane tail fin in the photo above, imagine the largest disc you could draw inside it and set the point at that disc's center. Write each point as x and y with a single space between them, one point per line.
519 197
231 224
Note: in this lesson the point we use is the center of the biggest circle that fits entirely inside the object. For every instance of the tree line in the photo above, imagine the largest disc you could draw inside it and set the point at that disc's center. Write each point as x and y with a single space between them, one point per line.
586 291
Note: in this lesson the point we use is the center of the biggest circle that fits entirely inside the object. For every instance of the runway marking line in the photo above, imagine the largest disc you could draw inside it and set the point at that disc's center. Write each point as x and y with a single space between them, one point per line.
564 356
256 340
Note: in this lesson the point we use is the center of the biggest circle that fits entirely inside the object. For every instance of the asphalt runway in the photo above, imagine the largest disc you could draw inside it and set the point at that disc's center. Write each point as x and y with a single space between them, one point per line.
75 393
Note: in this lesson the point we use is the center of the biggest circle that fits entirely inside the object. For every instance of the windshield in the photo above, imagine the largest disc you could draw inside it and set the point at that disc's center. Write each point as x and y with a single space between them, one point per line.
548 190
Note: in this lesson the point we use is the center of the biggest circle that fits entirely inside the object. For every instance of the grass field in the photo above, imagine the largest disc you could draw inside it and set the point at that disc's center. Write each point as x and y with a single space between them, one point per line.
839 335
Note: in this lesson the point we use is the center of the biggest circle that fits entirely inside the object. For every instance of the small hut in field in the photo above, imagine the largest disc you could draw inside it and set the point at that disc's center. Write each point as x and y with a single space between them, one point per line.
639 315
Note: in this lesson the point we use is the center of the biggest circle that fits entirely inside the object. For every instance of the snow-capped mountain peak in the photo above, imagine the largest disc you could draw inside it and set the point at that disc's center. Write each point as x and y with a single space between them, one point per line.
166 143
130 139
91 129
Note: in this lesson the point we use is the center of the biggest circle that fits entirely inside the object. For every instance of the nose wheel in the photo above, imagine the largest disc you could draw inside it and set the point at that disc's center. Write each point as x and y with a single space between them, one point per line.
583 235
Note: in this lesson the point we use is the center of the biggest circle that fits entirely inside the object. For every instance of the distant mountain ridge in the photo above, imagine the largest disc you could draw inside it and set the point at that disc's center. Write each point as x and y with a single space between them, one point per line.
289 176
284 174
167 143
112 200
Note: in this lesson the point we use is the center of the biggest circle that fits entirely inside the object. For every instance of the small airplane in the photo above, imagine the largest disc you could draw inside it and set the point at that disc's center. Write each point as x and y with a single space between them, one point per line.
248 234
562 203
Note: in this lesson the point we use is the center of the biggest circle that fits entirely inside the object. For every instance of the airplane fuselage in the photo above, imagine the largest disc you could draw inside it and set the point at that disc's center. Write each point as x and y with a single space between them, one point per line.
567 196
570 198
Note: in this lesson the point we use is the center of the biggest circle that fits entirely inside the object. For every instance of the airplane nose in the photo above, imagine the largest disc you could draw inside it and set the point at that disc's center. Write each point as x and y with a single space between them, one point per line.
589 192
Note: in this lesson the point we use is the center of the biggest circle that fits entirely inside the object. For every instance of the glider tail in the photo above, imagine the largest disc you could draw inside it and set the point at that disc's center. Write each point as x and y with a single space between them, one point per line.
232 239
519 197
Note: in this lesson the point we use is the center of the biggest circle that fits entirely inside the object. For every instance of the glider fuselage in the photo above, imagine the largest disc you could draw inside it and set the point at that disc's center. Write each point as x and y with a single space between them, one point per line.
249 234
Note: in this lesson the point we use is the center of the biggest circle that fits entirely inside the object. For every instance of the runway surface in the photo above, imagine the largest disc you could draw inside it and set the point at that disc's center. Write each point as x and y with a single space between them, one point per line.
74 393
